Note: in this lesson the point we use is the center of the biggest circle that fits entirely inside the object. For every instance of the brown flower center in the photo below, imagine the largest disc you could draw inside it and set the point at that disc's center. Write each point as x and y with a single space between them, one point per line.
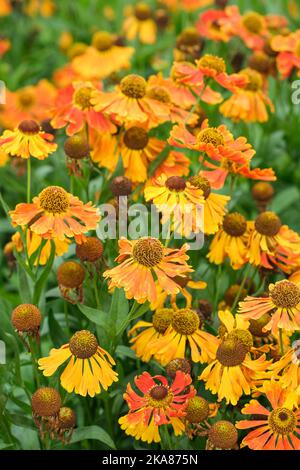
244 336
29 127
223 435
176 364
262 191
255 81
46 401
26 317
148 252
136 138
54 199
259 61
268 224
188 38
142 11
121 186
133 86
285 294
282 421
162 319
159 93
83 344
185 321
103 41
201 183
76 147
235 224
231 352
197 410
159 397
210 135
66 418
256 326
176 183
26 98
253 22
82 97
90 250
70 274
212 62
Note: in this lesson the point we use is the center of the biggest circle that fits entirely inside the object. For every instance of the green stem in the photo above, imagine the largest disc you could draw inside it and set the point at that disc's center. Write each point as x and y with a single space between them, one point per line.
34 363
28 180
237 297
67 317
217 287
166 440
96 290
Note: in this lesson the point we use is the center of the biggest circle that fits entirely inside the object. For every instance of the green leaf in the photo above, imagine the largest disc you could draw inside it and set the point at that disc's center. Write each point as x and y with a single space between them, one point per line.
20 420
93 432
124 351
24 286
44 276
96 316
119 309
57 335
285 199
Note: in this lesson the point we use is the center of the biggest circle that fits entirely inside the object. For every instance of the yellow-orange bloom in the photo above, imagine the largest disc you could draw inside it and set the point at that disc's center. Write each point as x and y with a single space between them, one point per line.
145 261
54 213
89 366
140 23
27 141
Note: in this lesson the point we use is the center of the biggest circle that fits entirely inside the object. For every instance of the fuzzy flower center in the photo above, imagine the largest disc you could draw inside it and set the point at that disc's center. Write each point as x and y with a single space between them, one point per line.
90 250
176 183
212 62
210 135
70 274
159 397
83 344
282 421
148 252
253 22
231 352
29 127
185 321
235 224
26 317
189 38
255 81
197 410
136 138
201 183
181 364
223 435
256 326
103 41
142 11
133 86
76 147
66 418
159 93
46 401
54 199
162 319
268 224
262 191
285 294
82 97
244 336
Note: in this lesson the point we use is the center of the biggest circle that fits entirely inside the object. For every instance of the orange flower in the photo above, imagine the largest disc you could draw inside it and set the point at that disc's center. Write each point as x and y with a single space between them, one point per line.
185 332
273 244
176 164
102 58
250 103
289 53
105 147
30 102
139 23
54 213
209 25
159 404
4 46
5 7
143 259
187 5
130 103
233 373
27 140
277 429
287 370
282 303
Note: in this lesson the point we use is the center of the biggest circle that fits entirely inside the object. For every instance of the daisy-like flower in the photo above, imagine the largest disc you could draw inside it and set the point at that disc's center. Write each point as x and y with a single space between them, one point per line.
275 429
102 58
27 140
271 243
70 278
105 147
189 45
250 103
73 108
130 103
151 331
144 261
209 25
288 47
139 23
251 27
214 204
282 303
209 66
54 213
89 367
177 199
286 369
230 241
159 404
185 331
232 373
33 245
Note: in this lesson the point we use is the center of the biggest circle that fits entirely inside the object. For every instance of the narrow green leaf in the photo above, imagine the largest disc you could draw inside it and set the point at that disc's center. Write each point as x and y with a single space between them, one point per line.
93 432
96 316
44 276
57 335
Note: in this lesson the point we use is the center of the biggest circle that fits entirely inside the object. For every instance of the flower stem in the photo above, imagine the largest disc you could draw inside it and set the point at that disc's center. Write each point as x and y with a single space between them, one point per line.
28 180
242 285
